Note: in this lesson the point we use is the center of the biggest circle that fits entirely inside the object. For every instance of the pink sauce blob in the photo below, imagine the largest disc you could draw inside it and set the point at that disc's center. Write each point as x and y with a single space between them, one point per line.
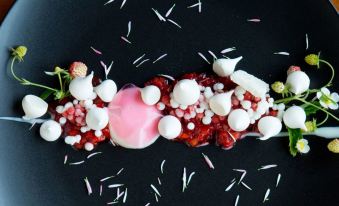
132 123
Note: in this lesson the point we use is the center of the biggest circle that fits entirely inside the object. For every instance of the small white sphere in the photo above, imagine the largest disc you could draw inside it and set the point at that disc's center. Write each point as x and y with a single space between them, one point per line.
298 81
169 127
88 103
295 117
186 92
83 129
239 91
59 109
206 120
62 120
50 130
161 106
89 146
269 126
246 104
150 94
281 107
209 113
97 118
174 104
238 120
191 126
98 133
240 97
199 110
75 101
218 86
183 107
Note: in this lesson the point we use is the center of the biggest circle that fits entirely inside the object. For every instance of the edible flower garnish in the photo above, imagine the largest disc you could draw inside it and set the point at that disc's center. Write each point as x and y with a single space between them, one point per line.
328 100
302 146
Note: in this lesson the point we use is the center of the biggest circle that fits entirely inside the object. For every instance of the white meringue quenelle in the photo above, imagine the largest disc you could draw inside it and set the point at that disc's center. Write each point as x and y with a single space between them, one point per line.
169 127
97 118
50 130
298 81
186 92
33 107
81 88
269 126
221 103
106 90
224 67
150 95
238 120
295 117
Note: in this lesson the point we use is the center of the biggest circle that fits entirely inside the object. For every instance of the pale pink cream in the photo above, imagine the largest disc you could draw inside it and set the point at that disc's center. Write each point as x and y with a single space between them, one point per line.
133 124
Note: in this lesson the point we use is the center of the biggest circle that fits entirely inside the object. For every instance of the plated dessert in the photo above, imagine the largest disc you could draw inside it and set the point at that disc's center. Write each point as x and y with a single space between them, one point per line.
197 109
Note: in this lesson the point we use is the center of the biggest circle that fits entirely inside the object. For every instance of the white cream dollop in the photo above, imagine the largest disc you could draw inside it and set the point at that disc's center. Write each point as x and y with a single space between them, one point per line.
238 120
81 88
50 130
33 106
169 127
269 126
224 67
295 117
186 92
150 95
221 103
298 81
106 90
97 118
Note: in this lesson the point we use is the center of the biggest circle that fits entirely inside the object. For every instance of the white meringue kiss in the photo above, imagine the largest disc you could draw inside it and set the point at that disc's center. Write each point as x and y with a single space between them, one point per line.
295 117
150 95
33 107
169 127
269 126
106 90
238 120
81 88
221 103
97 118
225 67
186 92
298 81
50 130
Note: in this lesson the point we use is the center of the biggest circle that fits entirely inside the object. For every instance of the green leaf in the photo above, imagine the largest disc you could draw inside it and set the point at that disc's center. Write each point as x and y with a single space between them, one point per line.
309 109
46 94
294 136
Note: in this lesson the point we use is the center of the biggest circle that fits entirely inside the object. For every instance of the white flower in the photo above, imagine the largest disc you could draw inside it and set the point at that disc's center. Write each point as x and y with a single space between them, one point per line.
302 146
328 100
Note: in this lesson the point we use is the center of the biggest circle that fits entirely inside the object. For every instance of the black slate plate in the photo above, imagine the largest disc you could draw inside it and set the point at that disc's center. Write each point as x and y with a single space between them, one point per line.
59 32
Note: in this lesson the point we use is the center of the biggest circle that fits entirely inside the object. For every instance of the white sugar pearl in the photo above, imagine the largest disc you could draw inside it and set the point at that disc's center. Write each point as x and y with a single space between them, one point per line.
246 104
250 112
62 120
89 146
202 88
75 101
199 110
98 133
204 105
83 129
68 105
88 103
161 106
240 97
183 107
59 109
256 115
239 90
179 113
206 120
252 121
190 126
193 114
208 92
187 116
281 107
209 113
174 104
218 86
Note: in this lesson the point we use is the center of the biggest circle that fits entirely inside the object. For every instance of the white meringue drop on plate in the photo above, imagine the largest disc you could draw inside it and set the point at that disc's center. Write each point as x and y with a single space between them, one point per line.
106 90
238 120
186 92
295 117
221 103
224 67
33 107
269 126
81 88
169 127
97 118
150 94
50 130
298 81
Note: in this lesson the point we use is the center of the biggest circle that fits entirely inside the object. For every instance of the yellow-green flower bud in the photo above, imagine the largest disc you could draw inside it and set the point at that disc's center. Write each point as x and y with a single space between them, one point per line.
312 59
311 126
278 87
333 146
19 52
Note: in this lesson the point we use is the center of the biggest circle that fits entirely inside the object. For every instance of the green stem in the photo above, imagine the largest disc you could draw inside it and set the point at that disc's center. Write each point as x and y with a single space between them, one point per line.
12 70
325 111
321 123
41 86
332 69
60 82
288 99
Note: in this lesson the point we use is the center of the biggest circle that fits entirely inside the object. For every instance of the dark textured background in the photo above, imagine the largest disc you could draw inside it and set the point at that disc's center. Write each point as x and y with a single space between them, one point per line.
59 32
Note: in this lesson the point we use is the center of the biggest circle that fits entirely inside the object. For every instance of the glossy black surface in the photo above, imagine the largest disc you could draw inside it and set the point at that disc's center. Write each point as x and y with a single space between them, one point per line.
58 32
